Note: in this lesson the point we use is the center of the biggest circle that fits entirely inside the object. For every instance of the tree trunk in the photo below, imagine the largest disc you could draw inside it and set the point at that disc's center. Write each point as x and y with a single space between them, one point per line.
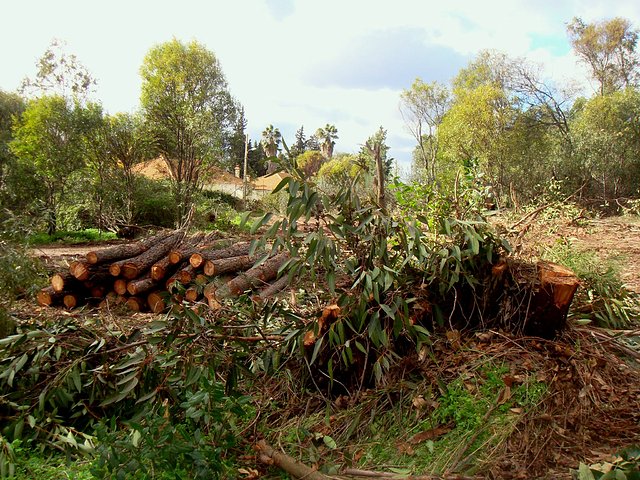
228 265
194 245
136 304
73 300
118 252
551 301
198 259
254 277
84 272
48 297
141 285
156 302
274 288
64 281
134 267
161 268
120 286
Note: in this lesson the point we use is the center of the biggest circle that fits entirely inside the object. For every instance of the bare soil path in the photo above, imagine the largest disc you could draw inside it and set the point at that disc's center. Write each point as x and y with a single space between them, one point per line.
611 238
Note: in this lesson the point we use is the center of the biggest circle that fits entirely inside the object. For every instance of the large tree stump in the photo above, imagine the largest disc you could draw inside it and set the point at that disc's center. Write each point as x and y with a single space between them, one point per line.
551 300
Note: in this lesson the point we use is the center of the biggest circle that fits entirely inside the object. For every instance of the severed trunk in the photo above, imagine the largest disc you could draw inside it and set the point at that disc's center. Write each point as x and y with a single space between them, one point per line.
129 250
141 285
228 265
133 267
254 277
197 260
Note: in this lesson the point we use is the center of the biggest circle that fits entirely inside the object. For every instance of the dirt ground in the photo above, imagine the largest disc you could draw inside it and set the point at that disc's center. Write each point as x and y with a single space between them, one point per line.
616 238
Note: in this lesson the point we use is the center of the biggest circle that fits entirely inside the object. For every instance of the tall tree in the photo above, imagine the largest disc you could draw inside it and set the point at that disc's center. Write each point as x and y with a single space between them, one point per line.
59 73
51 137
423 107
327 137
300 144
127 143
190 112
271 138
608 48
11 107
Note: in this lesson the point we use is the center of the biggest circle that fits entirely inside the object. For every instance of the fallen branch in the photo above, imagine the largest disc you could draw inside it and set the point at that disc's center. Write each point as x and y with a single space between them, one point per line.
268 456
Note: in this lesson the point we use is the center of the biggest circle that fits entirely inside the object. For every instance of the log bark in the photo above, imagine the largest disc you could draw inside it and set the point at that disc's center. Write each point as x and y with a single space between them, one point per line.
156 302
128 250
198 259
274 288
64 281
136 304
254 277
48 297
195 244
134 267
296 469
73 300
120 286
141 285
229 265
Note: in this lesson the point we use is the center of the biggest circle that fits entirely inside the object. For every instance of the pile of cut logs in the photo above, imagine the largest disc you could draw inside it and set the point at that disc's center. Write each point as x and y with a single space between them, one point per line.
146 274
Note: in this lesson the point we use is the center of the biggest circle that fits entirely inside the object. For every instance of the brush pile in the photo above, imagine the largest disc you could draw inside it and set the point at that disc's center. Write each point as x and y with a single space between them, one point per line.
145 275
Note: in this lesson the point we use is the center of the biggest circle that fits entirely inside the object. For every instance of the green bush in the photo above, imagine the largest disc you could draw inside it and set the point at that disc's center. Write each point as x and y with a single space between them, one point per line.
68 237
153 203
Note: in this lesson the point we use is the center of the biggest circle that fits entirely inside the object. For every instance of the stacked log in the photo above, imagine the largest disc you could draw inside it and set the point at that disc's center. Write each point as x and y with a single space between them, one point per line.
142 276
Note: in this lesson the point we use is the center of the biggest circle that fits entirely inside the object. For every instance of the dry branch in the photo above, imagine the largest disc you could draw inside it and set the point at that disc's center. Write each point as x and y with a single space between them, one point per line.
296 469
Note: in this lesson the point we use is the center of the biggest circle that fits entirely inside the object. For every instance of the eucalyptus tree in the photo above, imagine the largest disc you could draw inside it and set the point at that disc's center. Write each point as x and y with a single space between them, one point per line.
423 107
327 137
608 48
50 139
11 107
59 73
189 111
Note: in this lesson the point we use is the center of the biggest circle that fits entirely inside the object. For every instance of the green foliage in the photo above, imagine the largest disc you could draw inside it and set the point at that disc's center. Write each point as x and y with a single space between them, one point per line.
608 48
188 110
383 258
310 162
30 463
153 203
71 237
602 298
50 138
155 446
607 149
176 369
625 466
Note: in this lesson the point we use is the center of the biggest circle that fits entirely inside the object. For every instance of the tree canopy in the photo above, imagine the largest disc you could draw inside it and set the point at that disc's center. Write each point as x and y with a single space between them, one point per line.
189 110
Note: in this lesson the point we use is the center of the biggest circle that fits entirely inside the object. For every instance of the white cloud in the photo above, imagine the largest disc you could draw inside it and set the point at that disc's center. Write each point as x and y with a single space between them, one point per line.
269 49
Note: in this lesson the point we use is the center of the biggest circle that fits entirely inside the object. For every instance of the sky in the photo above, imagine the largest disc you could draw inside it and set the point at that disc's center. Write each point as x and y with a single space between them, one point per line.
295 63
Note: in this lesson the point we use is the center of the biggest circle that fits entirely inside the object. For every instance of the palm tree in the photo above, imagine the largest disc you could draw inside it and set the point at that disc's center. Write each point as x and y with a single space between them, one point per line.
326 137
271 141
